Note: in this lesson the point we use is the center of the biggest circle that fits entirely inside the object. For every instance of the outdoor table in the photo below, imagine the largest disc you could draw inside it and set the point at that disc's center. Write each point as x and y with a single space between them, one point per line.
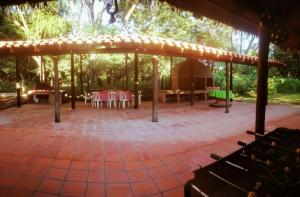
219 95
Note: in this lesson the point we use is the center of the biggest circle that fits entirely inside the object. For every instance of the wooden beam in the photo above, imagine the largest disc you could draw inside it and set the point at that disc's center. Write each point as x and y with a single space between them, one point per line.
192 82
227 88
80 75
72 83
136 81
231 78
57 94
155 88
262 80
18 84
126 70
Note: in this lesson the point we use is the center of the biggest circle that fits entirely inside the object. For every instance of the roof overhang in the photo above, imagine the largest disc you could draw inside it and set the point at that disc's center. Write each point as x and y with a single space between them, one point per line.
124 44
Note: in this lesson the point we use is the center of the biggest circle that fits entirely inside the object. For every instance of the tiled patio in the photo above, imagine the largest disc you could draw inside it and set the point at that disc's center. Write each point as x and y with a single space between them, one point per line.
116 152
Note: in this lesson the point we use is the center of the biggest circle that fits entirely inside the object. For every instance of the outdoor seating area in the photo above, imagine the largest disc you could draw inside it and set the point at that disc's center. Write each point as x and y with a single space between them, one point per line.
112 99
158 98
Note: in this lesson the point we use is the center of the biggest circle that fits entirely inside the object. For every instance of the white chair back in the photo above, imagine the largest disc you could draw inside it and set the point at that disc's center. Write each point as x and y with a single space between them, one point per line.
112 96
96 96
122 96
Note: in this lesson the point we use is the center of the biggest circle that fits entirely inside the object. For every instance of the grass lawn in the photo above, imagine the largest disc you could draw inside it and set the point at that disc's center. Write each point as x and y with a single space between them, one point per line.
278 98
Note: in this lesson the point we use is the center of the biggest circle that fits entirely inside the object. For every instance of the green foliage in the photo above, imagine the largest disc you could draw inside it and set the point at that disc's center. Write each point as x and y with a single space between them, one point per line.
292 61
287 85
290 98
8 30
243 85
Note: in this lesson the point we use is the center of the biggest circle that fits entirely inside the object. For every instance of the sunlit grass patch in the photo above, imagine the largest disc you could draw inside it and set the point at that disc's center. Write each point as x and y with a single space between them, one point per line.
275 99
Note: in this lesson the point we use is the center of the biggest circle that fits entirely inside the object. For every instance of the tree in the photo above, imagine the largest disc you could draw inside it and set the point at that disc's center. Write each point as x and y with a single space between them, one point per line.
38 23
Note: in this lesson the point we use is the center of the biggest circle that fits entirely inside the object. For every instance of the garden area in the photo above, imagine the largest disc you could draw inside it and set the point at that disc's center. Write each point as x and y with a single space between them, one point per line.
106 71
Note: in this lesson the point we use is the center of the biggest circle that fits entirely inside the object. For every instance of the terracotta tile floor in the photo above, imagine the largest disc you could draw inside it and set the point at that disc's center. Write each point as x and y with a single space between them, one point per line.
117 152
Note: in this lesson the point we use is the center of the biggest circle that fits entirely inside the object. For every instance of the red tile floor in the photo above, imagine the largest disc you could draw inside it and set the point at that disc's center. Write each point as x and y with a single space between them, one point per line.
117 152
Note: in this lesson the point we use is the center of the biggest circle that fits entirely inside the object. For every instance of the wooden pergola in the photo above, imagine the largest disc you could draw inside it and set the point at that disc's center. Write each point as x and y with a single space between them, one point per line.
274 21
121 44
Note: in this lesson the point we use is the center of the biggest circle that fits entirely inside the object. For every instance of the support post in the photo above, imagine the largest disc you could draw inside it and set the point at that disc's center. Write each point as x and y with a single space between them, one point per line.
230 78
80 75
192 82
171 68
126 70
18 84
162 82
262 80
88 81
72 83
42 70
227 88
56 90
155 88
136 81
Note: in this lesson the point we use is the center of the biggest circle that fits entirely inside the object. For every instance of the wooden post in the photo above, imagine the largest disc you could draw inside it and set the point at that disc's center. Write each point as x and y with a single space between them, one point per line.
155 88
18 84
192 82
162 82
80 75
171 68
41 69
262 80
227 88
56 90
126 70
88 82
72 83
230 78
136 81
43 78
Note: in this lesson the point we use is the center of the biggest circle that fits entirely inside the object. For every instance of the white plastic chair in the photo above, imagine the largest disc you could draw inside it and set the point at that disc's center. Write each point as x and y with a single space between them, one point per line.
96 100
112 98
87 97
139 98
123 99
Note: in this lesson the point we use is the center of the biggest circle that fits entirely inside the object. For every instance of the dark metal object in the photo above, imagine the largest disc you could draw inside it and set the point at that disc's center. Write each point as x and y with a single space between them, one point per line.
261 168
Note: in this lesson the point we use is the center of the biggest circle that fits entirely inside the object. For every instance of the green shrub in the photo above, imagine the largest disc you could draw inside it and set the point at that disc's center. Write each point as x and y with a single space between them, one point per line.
7 86
288 85
243 85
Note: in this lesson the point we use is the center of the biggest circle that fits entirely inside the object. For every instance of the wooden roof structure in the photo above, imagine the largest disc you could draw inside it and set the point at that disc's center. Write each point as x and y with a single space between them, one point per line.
124 44
247 15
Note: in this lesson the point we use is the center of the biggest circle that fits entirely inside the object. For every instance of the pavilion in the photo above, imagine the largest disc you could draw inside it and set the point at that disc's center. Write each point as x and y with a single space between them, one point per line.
121 44
275 21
